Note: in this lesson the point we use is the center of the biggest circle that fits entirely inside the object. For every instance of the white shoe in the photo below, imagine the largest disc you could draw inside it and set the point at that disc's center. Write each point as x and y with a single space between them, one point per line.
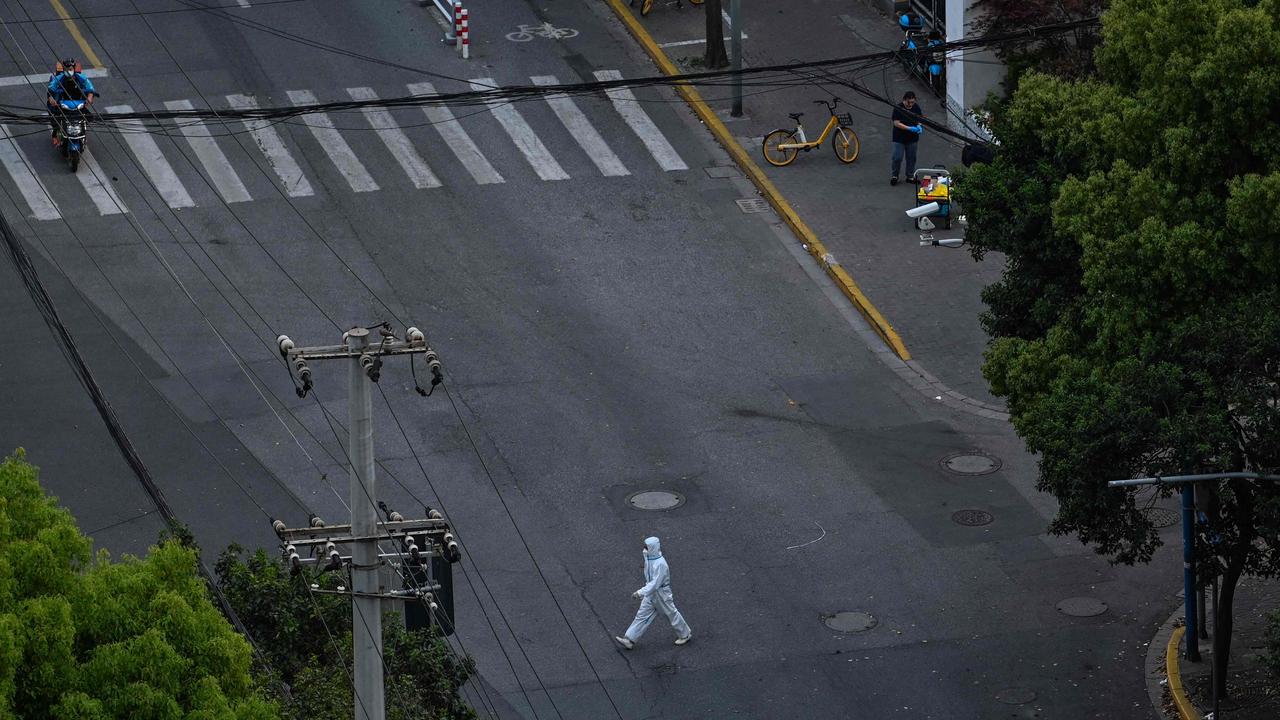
624 642
685 639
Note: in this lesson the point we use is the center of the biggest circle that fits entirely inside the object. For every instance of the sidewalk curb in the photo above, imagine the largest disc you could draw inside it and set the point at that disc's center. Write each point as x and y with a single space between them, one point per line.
766 187
1164 670
1186 710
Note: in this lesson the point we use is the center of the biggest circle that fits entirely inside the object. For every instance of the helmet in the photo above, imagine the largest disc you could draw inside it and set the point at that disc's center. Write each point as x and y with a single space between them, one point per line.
69 65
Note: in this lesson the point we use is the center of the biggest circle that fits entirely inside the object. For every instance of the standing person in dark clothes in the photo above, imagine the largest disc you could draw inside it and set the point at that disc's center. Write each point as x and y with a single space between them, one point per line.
906 133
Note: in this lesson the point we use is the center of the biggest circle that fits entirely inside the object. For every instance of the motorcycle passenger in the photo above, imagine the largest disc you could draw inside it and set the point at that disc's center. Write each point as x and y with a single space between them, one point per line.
67 84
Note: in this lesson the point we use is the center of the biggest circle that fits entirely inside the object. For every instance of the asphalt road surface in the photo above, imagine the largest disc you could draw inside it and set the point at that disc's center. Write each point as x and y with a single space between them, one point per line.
611 322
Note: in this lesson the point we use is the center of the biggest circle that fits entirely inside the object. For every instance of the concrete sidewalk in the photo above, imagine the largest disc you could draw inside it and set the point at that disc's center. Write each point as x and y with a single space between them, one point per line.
929 295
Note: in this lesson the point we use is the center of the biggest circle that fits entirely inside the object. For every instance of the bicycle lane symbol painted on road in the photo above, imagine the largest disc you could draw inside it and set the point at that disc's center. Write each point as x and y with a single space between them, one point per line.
525 33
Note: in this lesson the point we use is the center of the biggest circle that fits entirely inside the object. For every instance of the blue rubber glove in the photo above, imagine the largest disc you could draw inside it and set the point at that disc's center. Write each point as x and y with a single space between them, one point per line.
917 129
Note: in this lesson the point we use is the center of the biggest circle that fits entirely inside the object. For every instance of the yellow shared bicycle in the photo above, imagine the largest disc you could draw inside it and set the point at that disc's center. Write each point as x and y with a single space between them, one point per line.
781 146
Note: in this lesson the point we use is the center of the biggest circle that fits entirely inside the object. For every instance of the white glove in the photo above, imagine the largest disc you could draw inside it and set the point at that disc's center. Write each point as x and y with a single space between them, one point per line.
637 594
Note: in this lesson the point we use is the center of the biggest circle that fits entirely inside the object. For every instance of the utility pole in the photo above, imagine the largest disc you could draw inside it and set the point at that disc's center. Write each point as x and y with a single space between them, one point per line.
735 47
366 531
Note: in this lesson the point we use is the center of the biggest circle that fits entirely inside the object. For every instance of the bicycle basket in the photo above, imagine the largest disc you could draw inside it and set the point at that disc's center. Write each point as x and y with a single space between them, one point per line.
845 119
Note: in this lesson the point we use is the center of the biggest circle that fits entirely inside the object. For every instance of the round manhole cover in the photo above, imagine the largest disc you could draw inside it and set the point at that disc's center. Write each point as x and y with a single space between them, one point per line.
1082 607
655 500
970 463
1016 696
1161 517
849 622
972 518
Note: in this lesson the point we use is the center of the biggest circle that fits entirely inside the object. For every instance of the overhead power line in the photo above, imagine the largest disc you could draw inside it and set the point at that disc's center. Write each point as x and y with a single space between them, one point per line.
767 75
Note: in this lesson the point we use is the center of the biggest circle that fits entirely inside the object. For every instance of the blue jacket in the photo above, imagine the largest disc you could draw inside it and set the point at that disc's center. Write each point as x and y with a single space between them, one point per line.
57 91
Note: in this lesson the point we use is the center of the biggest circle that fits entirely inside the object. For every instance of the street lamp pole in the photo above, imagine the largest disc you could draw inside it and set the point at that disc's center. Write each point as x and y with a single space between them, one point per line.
1188 546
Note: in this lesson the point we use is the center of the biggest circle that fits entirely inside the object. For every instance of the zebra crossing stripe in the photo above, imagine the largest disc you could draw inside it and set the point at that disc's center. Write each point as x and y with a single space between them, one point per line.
278 156
333 144
522 135
582 130
152 160
456 138
396 141
34 191
625 102
104 196
215 163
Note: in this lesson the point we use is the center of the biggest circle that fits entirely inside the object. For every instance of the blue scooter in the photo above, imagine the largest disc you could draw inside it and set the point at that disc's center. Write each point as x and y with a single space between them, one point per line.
72 131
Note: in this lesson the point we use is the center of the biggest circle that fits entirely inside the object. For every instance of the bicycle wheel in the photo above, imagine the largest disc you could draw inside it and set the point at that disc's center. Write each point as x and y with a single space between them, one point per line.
845 142
775 155
646 6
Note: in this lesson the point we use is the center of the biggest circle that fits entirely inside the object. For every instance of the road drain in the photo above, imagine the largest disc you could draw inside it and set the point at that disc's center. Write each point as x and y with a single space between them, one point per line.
972 518
970 463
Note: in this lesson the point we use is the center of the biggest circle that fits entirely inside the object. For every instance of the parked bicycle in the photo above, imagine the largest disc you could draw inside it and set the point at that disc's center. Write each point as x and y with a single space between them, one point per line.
782 145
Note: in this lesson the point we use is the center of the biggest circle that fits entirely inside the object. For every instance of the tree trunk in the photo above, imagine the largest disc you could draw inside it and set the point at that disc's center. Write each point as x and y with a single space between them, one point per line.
716 56
1223 621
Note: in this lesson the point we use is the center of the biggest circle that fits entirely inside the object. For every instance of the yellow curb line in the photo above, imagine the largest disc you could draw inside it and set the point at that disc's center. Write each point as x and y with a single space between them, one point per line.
765 186
1186 710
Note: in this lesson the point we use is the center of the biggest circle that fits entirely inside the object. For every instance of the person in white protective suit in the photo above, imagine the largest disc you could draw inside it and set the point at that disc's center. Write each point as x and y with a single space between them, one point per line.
655 597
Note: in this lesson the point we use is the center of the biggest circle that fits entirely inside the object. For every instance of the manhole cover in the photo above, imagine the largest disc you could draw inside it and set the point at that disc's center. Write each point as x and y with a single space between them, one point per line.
752 205
1016 696
849 622
1161 518
970 463
655 500
972 518
1082 607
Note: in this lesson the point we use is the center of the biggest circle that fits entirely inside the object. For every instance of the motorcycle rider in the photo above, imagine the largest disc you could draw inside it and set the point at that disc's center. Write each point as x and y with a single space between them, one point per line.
67 83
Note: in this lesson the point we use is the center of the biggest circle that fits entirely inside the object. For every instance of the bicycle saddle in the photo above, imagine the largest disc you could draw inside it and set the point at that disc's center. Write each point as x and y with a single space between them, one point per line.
795 116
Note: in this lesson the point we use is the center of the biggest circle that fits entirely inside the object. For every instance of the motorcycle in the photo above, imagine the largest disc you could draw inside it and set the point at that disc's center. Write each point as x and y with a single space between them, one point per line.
73 133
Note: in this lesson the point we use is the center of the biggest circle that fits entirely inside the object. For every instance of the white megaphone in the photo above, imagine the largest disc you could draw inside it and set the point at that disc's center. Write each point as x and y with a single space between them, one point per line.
923 210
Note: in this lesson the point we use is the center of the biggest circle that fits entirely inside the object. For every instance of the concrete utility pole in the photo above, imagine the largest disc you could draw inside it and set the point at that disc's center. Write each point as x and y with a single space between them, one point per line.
365 531
735 47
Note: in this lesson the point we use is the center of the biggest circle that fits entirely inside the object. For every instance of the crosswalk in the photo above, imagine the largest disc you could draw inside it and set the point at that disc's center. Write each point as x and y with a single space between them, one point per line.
210 151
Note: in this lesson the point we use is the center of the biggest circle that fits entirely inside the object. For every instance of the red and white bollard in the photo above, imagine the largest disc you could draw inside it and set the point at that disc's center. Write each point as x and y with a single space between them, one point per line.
456 7
464 34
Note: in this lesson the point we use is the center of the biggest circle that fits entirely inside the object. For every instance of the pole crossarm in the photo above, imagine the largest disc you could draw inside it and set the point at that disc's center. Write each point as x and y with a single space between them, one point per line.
386 530
1179 479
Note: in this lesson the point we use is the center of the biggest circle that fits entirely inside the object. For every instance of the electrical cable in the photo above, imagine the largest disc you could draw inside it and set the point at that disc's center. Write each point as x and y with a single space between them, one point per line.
476 449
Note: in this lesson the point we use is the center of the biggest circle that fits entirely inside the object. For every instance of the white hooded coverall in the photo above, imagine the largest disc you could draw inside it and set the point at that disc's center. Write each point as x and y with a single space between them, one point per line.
656 595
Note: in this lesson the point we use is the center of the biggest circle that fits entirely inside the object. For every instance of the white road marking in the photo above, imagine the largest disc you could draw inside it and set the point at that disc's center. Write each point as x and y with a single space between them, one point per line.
243 3
627 106
215 163
152 160
522 135
456 138
278 156
727 21
42 79
396 141
102 193
582 130
332 142
15 161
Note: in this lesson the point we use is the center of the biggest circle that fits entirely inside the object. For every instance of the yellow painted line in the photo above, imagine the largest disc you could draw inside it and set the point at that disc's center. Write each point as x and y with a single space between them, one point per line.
764 185
72 28
1186 710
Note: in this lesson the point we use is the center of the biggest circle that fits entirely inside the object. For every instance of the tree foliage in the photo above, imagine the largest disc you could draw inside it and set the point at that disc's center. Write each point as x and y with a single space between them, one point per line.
1136 327
1066 56
83 638
307 638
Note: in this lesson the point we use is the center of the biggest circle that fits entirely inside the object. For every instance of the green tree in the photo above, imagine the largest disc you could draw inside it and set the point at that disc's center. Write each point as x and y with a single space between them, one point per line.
83 638
1136 327
307 637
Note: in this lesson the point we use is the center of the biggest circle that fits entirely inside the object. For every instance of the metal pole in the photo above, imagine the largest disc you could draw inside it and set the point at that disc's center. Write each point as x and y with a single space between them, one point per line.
1213 675
366 622
1189 570
735 46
